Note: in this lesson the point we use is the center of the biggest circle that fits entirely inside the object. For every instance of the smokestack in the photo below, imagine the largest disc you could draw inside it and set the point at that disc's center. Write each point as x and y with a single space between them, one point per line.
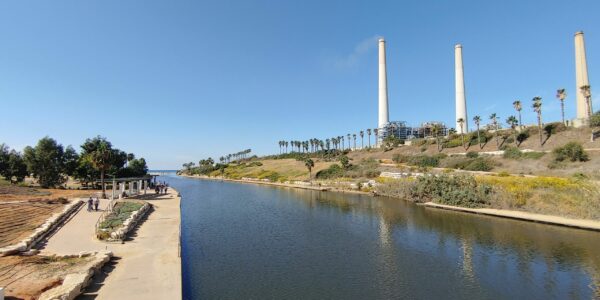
383 94
461 102
581 79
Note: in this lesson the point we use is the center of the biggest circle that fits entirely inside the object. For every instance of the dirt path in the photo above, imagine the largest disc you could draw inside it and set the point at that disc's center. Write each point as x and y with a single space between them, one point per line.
146 266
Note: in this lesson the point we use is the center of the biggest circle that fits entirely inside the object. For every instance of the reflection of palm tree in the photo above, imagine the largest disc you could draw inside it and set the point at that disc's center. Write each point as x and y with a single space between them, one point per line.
467 249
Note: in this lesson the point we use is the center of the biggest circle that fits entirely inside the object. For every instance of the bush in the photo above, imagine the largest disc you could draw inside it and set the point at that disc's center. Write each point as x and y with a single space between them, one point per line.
522 136
480 164
555 127
511 152
399 158
334 171
472 154
572 151
460 190
424 161
453 143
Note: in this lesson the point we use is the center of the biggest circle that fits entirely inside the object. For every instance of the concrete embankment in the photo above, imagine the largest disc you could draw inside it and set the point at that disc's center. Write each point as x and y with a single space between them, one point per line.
524 216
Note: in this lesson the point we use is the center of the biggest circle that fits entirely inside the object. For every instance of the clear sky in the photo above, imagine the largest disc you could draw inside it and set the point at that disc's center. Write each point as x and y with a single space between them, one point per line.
177 81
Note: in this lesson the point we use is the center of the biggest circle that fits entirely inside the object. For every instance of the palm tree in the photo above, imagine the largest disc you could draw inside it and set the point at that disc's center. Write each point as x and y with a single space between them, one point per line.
512 122
354 138
587 94
362 140
561 94
518 106
477 120
435 130
349 145
376 132
537 107
494 119
461 123
309 163
102 159
369 134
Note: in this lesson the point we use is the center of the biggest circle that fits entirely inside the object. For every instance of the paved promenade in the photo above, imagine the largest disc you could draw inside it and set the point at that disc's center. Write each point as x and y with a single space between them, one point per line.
147 265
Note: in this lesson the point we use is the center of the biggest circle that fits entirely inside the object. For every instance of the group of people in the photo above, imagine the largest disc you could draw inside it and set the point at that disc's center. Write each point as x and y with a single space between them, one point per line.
161 188
92 204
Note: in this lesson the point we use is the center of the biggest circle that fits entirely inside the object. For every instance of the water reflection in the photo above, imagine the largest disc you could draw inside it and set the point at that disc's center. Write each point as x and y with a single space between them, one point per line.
245 241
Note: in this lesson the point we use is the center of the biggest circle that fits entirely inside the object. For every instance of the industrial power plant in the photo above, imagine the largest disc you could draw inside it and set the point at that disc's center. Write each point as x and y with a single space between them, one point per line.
402 131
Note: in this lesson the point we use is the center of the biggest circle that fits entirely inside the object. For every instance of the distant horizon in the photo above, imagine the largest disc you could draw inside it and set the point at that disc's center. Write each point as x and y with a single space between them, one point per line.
182 81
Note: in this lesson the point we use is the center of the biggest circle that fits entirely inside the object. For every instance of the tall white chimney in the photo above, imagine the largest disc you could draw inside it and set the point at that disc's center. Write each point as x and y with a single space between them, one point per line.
461 102
581 79
383 94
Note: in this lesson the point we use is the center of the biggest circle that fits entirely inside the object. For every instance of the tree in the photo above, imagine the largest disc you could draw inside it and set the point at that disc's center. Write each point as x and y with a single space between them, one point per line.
512 122
587 94
14 168
345 162
137 167
461 123
71 161
494 119
537 107
477 120
46 162
369 134
354 138
561 94
99 152
518 107
436 130
376 132
362 140
309 163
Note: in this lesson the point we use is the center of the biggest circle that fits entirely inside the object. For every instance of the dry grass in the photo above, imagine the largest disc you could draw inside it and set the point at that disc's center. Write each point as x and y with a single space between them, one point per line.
286 169
27 277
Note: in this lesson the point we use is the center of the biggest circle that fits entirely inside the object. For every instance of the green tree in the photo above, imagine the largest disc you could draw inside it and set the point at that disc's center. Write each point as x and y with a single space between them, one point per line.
369 134
477 120
15 169
4 151
99 152
561 95
494 119
309 163
45 162
71 161
436 130
512 122
537 107
518 107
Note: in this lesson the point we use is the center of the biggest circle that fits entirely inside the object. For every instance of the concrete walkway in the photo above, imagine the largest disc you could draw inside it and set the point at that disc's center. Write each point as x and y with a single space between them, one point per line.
146 266
525 216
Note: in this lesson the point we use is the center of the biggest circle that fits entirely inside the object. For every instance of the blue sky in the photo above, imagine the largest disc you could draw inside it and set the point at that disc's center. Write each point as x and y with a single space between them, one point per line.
177 81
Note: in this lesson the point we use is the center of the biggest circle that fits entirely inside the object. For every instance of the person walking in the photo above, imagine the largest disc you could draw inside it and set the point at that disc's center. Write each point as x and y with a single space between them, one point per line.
89 203
96 203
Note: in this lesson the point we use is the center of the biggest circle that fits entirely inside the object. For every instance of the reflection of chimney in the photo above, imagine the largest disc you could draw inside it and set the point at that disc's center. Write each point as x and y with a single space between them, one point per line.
581 78
461 102
383 94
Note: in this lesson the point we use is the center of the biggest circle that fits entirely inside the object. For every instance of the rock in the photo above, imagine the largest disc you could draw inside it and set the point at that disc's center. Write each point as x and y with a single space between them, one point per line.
30 252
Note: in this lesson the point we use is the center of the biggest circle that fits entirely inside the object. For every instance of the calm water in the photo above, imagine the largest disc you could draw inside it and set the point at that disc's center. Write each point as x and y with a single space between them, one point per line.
243 241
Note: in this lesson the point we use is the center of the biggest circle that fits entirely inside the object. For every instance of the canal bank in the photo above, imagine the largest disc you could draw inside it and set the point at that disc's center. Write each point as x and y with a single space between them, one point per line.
583 224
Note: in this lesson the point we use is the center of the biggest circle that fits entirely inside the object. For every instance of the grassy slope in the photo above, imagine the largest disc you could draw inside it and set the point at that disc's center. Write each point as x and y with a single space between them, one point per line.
286 169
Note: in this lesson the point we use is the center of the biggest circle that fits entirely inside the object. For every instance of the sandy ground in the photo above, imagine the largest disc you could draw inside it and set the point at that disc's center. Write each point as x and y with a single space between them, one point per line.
19 219
521 215
146 266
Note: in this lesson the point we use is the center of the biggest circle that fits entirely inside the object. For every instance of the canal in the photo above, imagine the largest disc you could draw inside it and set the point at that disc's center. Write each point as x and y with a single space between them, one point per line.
244 241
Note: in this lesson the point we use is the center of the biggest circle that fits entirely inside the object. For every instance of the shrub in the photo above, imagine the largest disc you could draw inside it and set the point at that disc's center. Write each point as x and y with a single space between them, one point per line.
461 190
453 143
424 161
399 158
472 154
522 136
334 171
572 151
512 152
555 127
479 164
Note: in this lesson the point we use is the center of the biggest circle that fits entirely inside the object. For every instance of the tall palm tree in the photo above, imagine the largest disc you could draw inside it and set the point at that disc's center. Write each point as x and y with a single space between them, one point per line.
518 107
587 94
376 132
494 119
369 134
102 159
461 123
327 143
537 107
561 94
512 122
309 163
435 130
477 120
349 145
362 140
354 138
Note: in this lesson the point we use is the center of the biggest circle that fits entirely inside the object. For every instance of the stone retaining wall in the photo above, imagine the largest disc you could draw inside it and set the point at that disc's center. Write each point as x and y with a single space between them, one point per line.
43 230
74 284
130 223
